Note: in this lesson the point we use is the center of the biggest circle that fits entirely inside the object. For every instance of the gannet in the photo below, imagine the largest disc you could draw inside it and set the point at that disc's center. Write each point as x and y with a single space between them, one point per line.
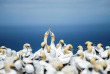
108 66
88 54
81 64
14 53
4 48
52 56
80 49
48 50
98 69
44 63
88 43
27 50
70 47
42 57
60 48
57 66
2 64
74 57
38 68
99 49
104 65
20 54
52 40
70 69
94 61
107 47
95 69
46 36
62 45
108 54
49 54
66 57
10 68
72 60
29 68
57 46
2 54
43 49
18 64
105 55
9 52
88 70
9 57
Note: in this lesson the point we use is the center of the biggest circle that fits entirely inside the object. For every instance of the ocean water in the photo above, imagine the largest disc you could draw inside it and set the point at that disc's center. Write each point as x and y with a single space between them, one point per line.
15 36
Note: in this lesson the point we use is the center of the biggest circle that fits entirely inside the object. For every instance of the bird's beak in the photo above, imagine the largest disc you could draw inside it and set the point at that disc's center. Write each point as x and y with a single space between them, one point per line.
71 49
93 45
14 68
75 55
62 44
43 46
85 48
40 58
27 47
76 49
100 72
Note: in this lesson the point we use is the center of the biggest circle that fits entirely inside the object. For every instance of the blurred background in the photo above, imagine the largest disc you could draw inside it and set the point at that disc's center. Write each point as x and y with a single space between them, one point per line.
74 21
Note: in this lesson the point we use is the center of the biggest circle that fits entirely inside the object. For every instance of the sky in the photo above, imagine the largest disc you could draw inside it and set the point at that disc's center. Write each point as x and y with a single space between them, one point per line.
75 21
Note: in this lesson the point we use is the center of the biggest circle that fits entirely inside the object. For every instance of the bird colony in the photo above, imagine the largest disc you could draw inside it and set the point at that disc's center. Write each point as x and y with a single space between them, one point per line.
59 59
